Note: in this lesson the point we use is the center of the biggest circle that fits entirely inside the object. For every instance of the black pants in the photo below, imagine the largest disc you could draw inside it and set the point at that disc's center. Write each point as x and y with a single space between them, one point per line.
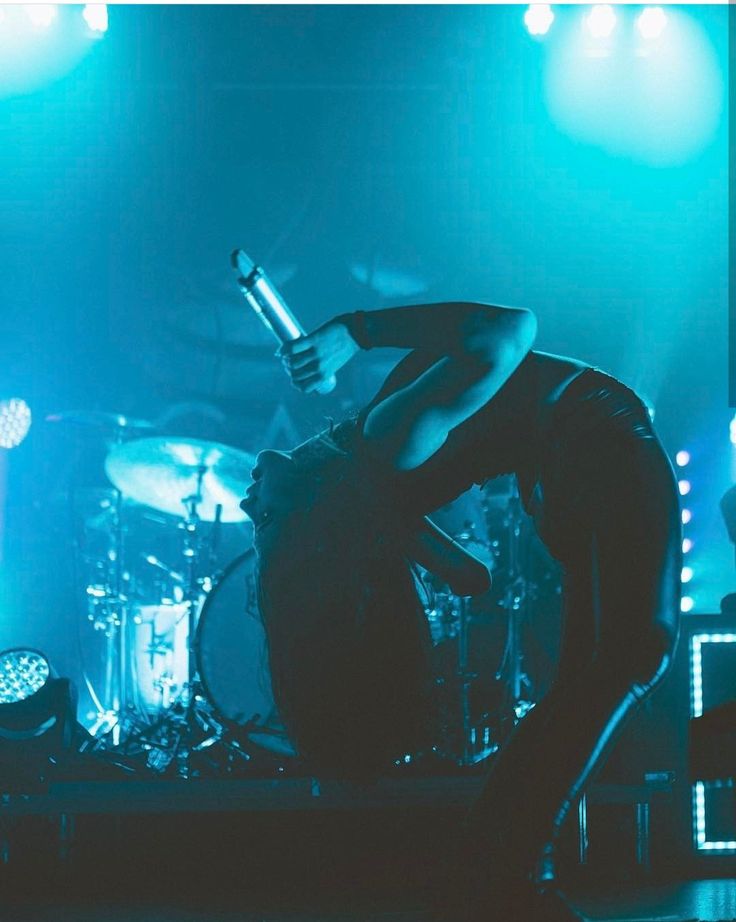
607 506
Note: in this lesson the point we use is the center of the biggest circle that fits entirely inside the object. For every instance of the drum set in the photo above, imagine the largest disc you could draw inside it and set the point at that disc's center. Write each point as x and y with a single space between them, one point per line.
172 648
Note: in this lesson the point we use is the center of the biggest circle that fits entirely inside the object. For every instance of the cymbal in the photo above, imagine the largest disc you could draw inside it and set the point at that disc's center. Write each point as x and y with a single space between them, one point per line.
163 472
98 419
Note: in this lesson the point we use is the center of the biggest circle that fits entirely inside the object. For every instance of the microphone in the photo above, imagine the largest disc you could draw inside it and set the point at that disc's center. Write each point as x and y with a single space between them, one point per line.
265 299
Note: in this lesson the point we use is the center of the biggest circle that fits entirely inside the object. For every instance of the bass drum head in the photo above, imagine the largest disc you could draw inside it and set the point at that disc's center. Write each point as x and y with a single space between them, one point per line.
232 655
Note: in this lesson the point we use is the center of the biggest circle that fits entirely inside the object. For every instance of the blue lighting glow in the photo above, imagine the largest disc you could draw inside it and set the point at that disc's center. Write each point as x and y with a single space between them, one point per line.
658 102
538 18
39 43
41 14
95 15
696 667
702 842
15 421
652 22
601 20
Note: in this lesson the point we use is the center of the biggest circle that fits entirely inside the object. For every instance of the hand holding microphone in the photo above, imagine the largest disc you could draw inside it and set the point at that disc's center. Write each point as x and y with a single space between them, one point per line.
307 359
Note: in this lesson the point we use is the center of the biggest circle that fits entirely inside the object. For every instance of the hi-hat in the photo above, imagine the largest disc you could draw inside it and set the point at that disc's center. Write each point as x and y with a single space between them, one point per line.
166 472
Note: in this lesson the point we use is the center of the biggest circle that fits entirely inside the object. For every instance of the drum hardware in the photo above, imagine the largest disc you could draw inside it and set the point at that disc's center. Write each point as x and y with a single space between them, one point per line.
189 723
519 590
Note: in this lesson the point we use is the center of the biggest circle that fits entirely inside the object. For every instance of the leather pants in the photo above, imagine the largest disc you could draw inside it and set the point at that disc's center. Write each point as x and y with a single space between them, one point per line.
607 506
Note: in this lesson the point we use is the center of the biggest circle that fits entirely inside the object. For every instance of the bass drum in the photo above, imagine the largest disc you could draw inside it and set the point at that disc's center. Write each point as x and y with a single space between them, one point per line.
232 656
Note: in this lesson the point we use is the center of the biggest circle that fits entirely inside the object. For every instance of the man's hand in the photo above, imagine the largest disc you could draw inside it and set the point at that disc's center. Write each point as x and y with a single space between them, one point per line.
313 359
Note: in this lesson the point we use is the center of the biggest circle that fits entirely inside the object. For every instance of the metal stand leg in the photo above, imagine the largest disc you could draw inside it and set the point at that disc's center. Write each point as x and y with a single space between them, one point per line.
583 829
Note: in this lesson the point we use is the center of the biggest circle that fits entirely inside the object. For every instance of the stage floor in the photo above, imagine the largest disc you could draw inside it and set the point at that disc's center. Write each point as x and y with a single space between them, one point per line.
705 900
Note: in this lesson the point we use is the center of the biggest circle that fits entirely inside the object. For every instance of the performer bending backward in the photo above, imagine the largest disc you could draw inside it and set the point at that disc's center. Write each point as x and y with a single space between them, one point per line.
339 525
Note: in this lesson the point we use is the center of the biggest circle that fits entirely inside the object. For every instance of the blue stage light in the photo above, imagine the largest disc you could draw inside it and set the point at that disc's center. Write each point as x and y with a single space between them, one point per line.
538 18
22 674
601 20
95 15
15 421
660 102
41 14
39 43
652 22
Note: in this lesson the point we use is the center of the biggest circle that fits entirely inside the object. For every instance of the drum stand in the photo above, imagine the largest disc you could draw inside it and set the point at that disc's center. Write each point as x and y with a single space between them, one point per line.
115 708
518 591
474 750
190 725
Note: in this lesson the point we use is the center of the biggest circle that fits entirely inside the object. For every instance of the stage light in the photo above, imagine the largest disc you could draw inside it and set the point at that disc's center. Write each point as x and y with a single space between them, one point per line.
95 15
538 18
687 603
687 574
37 720
659 101
682 458
687 545
601 20
732 431
684 487
15 421
697 708
686 516
652 22
22 674
41 14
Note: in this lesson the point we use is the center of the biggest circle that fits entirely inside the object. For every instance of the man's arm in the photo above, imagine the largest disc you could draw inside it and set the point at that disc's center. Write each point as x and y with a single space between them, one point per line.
479 347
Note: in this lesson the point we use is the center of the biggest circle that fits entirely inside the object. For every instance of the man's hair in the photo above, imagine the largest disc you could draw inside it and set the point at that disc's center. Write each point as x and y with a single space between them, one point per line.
348 640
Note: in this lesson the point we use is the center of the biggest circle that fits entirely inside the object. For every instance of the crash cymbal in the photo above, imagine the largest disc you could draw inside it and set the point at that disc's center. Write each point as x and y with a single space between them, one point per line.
164 472
100 421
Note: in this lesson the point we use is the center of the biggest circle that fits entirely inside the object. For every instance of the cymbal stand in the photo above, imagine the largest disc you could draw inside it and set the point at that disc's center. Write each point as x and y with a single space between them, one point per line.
116 699
474 750
517 593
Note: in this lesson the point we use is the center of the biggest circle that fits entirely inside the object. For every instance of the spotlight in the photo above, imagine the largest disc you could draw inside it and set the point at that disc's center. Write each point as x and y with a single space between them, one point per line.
687 574
95 15
652 22
687 603
41 14
37 720
684 487
538 18
15 421
601 20
687 545
686 516
732 429
682 458
22 674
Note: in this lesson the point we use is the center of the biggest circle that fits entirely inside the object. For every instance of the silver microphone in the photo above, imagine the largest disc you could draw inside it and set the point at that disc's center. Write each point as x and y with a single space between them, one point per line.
265 299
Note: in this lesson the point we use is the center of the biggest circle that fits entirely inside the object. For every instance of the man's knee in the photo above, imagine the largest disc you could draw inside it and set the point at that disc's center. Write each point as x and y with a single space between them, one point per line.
653 656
